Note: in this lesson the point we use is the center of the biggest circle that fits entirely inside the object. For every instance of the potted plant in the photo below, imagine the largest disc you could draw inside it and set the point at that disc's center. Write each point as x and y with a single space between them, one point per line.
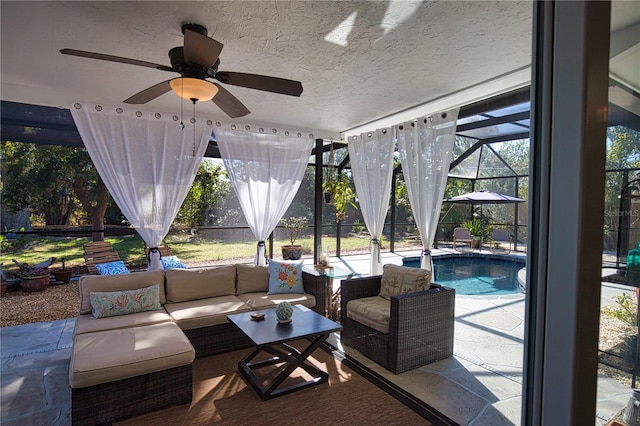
64 274
36 277
478 231
294 226
338 192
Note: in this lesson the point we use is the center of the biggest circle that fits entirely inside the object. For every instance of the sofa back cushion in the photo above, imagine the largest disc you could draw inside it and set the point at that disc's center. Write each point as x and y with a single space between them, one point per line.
252 279
133 281
402 280
193 284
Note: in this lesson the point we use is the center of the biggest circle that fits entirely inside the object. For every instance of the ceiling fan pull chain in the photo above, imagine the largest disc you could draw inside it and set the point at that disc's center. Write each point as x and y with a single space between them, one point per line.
181 126
194 127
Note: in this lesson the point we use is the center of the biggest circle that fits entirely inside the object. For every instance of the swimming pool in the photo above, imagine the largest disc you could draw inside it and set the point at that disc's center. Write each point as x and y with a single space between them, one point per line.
479 275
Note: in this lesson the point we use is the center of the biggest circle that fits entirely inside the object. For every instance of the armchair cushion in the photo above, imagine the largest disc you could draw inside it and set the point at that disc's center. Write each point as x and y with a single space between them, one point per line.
372 311
402 280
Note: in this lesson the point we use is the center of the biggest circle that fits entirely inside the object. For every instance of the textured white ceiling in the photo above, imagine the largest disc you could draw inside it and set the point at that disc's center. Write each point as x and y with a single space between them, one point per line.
357 61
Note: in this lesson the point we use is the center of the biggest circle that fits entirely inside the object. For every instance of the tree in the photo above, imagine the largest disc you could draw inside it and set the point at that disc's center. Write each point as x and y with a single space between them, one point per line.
623 152
623 148
209 185
54 181
91 191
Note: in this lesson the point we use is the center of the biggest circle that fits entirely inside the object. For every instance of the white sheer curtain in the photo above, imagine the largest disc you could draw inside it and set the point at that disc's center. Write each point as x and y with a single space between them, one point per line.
371 156
265 168
147 162
425 147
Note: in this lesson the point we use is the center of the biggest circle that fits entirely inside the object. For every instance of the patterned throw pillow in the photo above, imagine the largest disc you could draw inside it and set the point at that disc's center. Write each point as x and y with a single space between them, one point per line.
113 303
285 277
112 268
172 262
402 280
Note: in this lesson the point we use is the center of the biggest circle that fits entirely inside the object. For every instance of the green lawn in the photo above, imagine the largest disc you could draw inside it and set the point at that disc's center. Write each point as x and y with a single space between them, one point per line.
131 250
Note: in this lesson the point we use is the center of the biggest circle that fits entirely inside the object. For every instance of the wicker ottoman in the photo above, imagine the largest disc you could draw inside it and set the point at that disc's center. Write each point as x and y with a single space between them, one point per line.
121 373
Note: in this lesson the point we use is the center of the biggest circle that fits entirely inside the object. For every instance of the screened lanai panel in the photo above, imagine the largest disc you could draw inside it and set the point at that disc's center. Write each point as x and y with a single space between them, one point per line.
497 130
500 213
512 109
516 154
497 123
491 165
471 119
461 145
502 185
468 168
337 157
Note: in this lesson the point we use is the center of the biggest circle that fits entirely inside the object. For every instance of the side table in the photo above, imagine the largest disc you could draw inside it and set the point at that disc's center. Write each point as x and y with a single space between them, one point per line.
333 297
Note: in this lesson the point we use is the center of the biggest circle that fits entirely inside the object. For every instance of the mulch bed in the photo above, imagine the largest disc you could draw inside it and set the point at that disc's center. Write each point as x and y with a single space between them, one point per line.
55 302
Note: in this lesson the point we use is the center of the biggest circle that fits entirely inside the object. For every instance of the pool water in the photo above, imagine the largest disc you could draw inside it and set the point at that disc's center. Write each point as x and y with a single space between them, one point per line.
480 276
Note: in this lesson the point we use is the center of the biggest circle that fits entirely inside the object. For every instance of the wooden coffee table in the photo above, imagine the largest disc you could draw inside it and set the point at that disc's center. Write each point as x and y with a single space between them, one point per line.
271 337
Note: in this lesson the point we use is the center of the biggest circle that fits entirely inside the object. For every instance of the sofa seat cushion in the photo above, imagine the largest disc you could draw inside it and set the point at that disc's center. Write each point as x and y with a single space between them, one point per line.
262 300
205 312
374 312
87 324
111 355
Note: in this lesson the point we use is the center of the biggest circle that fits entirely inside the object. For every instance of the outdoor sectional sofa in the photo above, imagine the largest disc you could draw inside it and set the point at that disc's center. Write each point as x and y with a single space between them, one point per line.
126 365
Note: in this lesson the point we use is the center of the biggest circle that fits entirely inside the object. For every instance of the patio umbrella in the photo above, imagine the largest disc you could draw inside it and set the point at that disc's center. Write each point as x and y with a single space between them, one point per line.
483 197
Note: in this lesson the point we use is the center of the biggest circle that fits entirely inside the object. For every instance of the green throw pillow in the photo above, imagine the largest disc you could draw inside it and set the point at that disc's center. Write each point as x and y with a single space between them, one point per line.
113 303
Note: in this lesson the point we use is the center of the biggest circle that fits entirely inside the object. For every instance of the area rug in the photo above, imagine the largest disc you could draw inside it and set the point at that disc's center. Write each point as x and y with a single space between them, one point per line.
221 397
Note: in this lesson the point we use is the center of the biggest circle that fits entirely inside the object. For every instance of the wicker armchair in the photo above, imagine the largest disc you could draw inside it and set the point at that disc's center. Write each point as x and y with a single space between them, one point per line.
420 326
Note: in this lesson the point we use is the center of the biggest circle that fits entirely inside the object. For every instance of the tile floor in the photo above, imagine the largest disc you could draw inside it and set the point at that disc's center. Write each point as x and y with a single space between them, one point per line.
34 374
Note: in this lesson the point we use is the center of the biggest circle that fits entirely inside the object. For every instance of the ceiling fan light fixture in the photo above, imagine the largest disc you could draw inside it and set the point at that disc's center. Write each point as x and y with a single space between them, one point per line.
193 88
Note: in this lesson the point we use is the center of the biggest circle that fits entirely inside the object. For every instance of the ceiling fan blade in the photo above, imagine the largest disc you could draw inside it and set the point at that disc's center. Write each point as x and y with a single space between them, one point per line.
112 58
261 82
149 94
229 103
200 49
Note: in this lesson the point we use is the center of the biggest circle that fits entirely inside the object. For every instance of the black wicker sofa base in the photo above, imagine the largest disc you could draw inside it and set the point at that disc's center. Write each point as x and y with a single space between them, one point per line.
226 337
420 326
106 402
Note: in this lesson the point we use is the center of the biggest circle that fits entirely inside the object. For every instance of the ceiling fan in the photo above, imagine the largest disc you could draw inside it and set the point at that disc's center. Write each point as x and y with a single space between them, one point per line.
195 62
